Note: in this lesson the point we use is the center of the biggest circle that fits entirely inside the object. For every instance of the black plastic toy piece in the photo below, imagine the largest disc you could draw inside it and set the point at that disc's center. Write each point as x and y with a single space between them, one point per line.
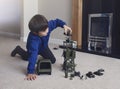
55 48
90 75
44 67
77 74
68 33
99 72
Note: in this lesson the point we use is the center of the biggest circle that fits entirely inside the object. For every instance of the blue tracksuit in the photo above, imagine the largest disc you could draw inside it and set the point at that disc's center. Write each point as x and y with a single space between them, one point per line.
36 44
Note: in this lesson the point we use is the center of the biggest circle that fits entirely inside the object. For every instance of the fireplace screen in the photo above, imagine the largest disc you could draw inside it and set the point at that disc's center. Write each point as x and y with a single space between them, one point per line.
99 34
99 26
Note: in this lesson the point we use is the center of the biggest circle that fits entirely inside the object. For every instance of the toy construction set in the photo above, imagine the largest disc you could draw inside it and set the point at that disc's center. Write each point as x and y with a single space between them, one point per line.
68 66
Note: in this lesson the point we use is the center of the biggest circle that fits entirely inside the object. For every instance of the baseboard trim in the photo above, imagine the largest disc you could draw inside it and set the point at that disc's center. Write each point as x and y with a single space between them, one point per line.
9 34
24 39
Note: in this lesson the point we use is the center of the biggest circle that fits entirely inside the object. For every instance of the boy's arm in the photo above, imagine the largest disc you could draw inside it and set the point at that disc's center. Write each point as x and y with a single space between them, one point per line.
58 23
32 57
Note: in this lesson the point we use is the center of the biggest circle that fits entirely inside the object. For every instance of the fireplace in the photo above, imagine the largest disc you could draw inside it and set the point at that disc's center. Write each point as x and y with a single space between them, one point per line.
96 26
99 32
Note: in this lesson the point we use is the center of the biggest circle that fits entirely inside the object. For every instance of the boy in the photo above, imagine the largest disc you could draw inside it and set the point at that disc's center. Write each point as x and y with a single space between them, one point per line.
37 42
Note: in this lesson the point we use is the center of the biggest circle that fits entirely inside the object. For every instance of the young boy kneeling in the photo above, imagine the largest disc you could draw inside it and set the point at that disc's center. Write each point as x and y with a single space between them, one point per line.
37 42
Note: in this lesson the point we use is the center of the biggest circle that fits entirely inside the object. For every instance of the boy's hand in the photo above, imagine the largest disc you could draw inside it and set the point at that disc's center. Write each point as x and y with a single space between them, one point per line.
66 28
31 77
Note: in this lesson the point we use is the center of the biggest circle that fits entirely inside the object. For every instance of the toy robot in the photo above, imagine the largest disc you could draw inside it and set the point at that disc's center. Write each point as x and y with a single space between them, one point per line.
69 55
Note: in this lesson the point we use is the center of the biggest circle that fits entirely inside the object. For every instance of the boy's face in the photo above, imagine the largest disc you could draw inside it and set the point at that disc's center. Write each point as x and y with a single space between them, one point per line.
43 33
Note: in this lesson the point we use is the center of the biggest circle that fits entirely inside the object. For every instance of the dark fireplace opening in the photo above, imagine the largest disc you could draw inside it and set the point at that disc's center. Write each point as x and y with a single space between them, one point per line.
99 32
99 26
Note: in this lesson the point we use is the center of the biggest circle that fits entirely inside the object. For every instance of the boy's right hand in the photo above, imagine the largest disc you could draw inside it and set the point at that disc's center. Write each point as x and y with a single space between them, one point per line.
31 77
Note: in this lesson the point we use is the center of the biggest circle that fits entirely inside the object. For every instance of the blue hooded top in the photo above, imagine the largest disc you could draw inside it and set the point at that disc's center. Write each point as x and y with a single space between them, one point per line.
36 44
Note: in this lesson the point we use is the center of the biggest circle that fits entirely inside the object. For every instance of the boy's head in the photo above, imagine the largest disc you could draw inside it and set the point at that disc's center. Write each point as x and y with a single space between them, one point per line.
39 25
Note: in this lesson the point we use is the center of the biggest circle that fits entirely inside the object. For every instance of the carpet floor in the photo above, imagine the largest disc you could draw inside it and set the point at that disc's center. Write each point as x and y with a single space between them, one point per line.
13 70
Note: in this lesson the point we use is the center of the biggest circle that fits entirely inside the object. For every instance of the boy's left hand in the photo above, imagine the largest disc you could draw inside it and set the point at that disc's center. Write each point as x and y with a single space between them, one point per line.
66 28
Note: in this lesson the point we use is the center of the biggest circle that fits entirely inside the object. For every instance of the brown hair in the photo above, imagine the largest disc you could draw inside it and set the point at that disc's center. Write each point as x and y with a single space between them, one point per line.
38 23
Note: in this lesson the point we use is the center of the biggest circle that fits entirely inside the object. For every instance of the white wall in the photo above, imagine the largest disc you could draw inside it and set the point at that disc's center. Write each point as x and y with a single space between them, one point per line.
10 12
52 9
15 15
30 8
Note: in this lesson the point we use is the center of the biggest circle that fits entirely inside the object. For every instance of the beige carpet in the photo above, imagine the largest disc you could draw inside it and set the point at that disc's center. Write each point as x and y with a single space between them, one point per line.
13 70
